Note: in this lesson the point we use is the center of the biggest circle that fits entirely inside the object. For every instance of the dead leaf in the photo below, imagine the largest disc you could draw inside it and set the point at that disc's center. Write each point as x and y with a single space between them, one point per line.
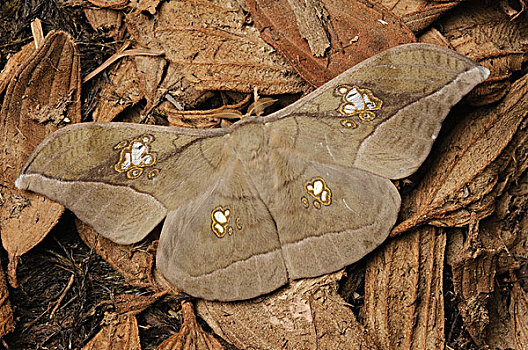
404 302
506 230
356 30
191 336
501 241
120 93
483 32
132 262
474 164
120 329
118 56
14 64
119 332
43 93
419 14
308 314
150 71
211 47
134 304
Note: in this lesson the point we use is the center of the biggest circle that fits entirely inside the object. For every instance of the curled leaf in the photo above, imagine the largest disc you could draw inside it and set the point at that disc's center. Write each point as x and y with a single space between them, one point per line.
356 30
43 93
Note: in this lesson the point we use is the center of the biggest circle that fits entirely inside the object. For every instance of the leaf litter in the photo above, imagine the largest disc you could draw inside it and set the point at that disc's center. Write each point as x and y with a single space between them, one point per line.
407 291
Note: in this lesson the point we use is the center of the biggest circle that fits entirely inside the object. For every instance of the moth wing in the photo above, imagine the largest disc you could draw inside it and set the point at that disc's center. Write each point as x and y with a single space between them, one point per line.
222 244
381 115
328 216
90 169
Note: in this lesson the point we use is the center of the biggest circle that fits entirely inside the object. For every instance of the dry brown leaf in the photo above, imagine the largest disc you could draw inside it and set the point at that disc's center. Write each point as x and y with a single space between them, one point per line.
120 329
506 233
211 47
308 314
191 336
7 322
418 14
519 316
106 21
356 30
150 71
120 93
119 332
14 64
134 304
483 32
474 164
433 36
43 93
404 302
132 262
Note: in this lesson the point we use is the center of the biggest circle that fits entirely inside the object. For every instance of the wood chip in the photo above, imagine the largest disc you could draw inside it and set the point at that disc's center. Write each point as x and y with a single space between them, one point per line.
308 314
356 30
404 302
43 93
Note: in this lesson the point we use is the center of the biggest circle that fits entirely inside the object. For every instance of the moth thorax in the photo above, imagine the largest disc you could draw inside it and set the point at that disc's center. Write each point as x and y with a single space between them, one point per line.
249 141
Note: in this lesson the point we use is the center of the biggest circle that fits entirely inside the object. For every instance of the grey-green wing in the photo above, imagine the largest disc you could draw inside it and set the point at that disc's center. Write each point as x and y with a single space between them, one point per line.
411 89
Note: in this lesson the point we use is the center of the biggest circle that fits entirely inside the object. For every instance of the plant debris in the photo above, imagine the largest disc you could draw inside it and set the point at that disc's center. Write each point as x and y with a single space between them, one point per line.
43 93
455 273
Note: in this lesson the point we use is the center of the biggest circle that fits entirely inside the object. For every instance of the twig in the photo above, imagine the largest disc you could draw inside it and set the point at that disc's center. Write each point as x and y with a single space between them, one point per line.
63 294
38 33
120 54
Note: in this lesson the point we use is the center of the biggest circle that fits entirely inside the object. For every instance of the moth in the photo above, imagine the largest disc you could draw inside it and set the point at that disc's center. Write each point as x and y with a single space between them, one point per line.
299 193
